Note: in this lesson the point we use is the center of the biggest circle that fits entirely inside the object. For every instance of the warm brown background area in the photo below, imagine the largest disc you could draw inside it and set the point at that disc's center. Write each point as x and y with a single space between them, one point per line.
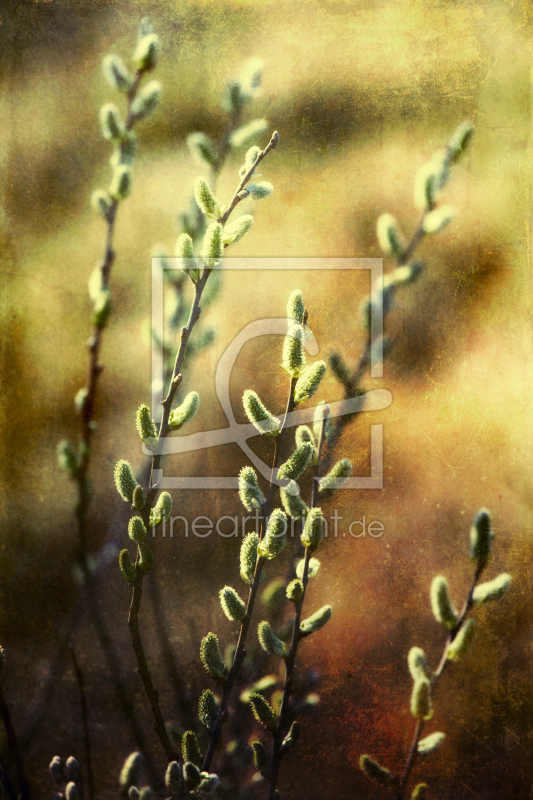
362 94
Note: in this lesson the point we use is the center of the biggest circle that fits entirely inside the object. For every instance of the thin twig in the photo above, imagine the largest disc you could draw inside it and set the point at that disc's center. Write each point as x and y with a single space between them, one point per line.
24 787
85 723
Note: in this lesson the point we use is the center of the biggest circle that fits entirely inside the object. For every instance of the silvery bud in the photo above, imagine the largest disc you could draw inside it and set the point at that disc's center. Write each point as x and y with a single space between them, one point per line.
127 567
312 568
124 152
213 245
207 708
293 351
291 738
258 415
208 782
185 411
421 706
309 382
295 591
316 621
374 770
492 590
335 479
146 101
296 465
259 191
250 158
205 198
190 749
130 773
313 531
233 231
145 54
145 424
202 148
270 642
71 791
430 743
459 140
173 778
187 262
136 530
460 647
120 186
125 480
246 133
428 181
418 664
293 504
441 603
481 538
251 495
232 605
212 658
162 509
102 202
72 769
435 221
261 761
116 73
263 712
191 773
56 769
110 122
101 309
248 556
233 98
408 273
274 539
389 237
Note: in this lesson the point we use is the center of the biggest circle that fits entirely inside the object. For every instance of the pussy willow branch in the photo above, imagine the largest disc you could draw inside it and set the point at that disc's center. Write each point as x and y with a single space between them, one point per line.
23 785
87 748
413 750
277 752
240 652
164 430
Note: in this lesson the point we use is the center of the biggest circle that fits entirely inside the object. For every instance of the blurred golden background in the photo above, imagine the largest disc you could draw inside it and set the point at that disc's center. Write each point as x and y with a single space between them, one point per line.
362 94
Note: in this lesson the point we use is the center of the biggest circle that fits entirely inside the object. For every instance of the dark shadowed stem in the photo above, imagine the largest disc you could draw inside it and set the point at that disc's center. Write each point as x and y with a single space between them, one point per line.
85 724
413 750
281 728
5 780
24 787
240 652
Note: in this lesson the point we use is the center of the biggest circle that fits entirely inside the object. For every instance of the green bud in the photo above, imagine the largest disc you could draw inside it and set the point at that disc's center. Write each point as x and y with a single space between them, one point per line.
430 743
335 479
389 236
250 159
295 591
274 539
418 664
173 778
249 492
136 530
293 504
259 191
130 773
313 531
213 245
184 412
145 54
67 458
258 415
124 152
162 509
248 556
187 262
127 567
293 351
102 202
246 133
116 73
309 382
145 424
312 568
190 749
125 480
373 770
146 557
427 185
191 773
133 793
202 148
101 309
234 231
408 273
212 658
492 590
263 712
207 708
232 605
261 761
481 538
316 621
420 792
304 434
205 198
460 647
459 140
339 369
291 738
110 122
296 307
138 499
270 642
233 99
120 187
435 221
421 706
146 101
296 465
441 603
208 783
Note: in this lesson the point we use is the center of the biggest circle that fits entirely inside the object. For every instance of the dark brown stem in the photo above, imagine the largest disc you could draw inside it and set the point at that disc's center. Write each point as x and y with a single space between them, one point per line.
85 723
24 787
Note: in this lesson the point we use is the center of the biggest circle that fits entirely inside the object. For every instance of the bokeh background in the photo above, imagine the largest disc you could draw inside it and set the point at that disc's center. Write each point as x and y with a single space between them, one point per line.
362 94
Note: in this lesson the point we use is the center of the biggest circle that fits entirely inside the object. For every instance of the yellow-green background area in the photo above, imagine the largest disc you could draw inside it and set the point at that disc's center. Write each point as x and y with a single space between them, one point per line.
362 94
